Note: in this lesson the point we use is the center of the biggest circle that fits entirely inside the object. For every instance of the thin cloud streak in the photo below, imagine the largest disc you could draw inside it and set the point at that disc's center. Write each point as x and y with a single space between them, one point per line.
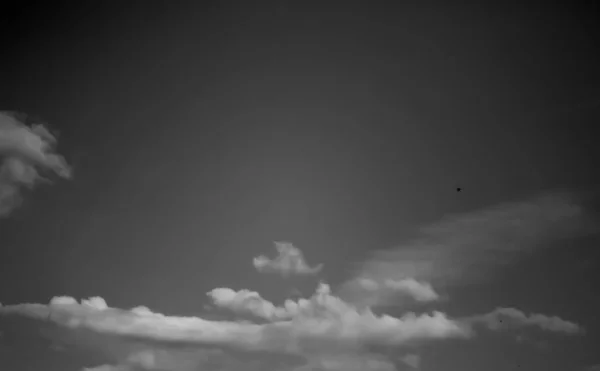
510 318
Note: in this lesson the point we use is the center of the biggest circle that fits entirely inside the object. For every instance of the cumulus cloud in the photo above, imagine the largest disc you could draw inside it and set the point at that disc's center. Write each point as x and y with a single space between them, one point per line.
26 152
510 318
289 261
466 248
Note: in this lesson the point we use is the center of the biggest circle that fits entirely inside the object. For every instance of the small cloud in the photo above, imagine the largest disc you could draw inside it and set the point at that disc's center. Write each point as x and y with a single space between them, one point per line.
26 152
348 362
369 292
368 284
289 261
247 302
539 344
412 360
509 318
420 291
106 368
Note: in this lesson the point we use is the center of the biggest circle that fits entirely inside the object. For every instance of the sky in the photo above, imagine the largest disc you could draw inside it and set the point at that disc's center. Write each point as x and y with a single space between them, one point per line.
222 186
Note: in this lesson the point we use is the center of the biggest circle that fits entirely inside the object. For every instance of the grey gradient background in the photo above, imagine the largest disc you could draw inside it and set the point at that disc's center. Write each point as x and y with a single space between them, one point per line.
200 133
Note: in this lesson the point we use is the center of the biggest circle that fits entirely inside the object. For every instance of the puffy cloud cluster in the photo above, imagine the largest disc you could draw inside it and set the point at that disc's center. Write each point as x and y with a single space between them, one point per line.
251 303
26 157
327 316
289 261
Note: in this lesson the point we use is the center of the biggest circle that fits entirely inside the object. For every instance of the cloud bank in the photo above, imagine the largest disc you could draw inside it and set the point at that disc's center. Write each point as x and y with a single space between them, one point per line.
289 261
26 152
326 331
323 333
319 333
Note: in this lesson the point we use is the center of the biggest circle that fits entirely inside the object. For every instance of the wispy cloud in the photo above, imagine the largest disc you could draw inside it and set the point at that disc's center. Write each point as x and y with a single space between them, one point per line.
510 318
289 261
24 152
467 248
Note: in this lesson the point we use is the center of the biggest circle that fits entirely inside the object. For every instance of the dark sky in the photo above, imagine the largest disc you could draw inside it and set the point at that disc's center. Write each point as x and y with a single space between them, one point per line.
199 133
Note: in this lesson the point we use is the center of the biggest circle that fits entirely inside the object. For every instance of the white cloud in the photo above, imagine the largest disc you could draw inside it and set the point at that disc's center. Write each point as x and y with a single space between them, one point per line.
289 261
24 152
